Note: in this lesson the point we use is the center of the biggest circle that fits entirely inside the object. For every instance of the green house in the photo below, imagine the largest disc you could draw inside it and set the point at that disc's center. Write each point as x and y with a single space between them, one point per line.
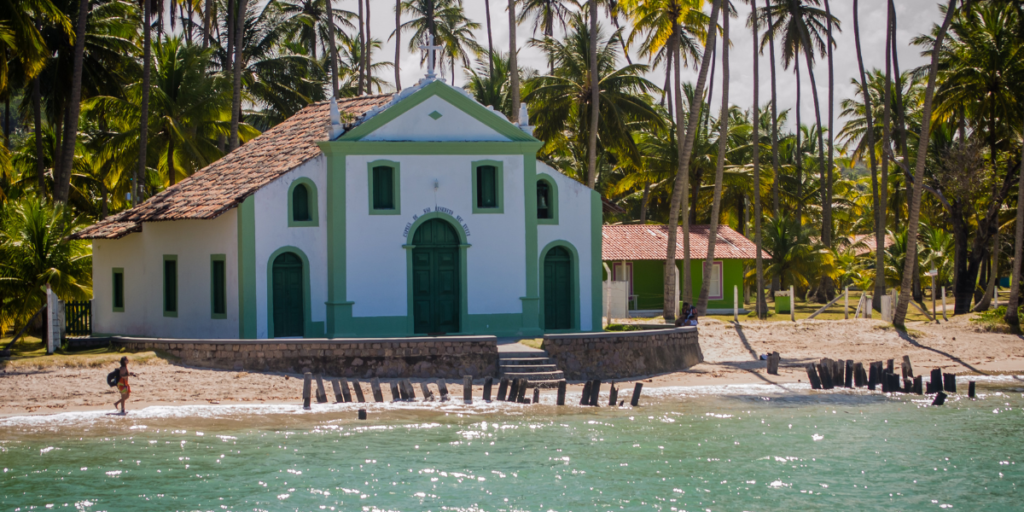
636 253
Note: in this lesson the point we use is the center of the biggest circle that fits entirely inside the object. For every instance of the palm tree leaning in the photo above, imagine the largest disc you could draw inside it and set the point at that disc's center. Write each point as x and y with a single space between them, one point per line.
877 205
723 146
681 186
762 306
62 176
490 38
398 42
899 318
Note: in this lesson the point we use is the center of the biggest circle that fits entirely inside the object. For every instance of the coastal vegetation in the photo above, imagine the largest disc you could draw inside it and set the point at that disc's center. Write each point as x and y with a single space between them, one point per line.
912 183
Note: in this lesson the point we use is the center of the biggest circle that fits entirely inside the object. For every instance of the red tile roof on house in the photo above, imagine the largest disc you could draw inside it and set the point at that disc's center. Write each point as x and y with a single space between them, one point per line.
865 244
227 182
649 242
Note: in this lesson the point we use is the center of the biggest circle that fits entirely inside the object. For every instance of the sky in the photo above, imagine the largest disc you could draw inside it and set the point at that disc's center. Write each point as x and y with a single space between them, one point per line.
914 17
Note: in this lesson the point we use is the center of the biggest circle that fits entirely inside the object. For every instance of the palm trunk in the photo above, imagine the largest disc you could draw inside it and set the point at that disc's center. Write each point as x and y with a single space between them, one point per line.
513 65
901 125
37 115
825 291
870 134
236 101
333 54
231 36
140 171
798 156
762 306
723 146
1018 253
682 185
170 160
776 168
883 186
207 16
62 178
826 235
644 202
915 208
362 51
398 41
367 51
490 40
595 101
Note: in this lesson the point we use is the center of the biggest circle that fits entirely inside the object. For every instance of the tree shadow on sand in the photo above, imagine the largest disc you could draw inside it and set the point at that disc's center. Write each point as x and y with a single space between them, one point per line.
909 339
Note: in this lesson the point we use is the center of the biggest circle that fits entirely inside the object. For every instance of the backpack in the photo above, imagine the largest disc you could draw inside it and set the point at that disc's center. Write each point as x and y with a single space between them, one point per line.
113 377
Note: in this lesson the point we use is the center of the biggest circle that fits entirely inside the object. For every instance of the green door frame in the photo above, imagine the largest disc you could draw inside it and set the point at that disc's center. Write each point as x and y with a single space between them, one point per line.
463 245
310 329
574 265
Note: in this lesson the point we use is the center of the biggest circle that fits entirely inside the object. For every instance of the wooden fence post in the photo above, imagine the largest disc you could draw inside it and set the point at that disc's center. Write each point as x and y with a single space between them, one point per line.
812 376
595 392
488 384
321 393
585 398
442 389
502 389
536 395
378 394
635 399
735 304
307 386
467 388
359 392
613 395
846 303
396 393
561 393
338 398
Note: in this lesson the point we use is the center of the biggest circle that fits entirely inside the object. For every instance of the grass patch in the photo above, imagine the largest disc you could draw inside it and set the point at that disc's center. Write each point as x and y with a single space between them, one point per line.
533 342
83 360
622 327
993 320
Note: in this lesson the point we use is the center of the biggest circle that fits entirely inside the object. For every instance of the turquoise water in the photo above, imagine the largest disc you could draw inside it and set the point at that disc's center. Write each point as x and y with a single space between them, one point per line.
752 448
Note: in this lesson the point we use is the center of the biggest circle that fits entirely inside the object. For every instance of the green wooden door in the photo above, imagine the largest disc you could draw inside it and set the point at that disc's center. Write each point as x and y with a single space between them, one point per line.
557 289
288 313
435 274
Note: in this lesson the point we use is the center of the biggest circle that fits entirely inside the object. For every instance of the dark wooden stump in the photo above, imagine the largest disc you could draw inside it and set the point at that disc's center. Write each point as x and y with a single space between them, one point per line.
825 373
949 382
396 392
561 393
427 395
321 393
890 366
613 395
410 389
838 373
595 393
523 384
307 389
338 398
536 395
378 394
359 392
585 398
442 389
936 381
918 388
502 389
908 370
467 388
848 383
860 378
812 376
635 399
345 393
362 414
886 382
940 398
773 363
970 388
488 384
513 390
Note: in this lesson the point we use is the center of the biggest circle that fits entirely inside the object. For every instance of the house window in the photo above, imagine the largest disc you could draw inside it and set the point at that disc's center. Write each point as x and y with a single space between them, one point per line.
118 292
218 287
715 288
383 180
302 203
547 200
170 285
487 187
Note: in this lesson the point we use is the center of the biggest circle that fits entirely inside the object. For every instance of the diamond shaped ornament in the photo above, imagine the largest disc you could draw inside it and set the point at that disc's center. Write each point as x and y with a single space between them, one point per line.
435 115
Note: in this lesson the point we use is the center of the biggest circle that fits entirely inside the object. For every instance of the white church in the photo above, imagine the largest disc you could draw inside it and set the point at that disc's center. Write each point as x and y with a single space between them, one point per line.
414 214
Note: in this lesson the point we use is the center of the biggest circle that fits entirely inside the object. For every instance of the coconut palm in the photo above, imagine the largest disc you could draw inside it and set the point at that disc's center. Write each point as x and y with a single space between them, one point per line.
349 57
314 23
761 304
513 59
546 14
489 83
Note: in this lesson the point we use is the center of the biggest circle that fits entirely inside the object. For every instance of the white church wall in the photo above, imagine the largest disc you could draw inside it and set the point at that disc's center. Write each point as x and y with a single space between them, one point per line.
377 265
418 125
574 226
273 233
141 255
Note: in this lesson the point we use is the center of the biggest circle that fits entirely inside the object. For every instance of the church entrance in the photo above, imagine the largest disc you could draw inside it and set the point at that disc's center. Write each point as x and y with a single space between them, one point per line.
557 289
288 313
435 278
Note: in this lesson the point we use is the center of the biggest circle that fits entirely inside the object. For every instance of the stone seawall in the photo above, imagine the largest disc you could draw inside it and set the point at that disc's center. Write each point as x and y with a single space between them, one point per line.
449 357
622 355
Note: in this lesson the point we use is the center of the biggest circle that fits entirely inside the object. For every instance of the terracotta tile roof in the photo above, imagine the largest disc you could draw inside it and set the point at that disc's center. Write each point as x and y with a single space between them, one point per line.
865 244
225 183
649 242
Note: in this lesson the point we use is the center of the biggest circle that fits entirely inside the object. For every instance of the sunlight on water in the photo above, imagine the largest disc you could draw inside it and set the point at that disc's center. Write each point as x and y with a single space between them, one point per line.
741 448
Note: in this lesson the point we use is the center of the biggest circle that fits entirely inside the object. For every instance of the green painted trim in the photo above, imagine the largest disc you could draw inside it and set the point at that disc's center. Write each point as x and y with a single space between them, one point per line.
575 284
247 269
310 329
113 289
447 93
499 179
428 148
395 184
163 283
532 325
339 309
553 193
314 204
213 285
410 327
596 268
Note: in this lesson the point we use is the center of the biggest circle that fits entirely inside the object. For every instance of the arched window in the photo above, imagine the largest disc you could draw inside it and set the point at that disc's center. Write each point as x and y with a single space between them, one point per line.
300 204
543 200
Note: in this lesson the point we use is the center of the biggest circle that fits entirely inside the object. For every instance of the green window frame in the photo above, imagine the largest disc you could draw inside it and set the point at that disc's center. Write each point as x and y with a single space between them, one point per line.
296 208
488 186
170 274
117 291
552 200
218 287
383 178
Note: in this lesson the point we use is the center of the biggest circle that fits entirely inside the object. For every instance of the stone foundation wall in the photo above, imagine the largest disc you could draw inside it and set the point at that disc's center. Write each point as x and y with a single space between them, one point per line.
621 355
449 357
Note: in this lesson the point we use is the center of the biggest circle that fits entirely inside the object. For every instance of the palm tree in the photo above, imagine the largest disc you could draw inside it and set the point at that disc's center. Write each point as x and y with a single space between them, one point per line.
723 145
490 38
62 178
398 41
147 58
1012 316
770 41
513 57
313 23
236 101
762 307
878 208
490 84
545 14
349 57
915 206
595 100
457 39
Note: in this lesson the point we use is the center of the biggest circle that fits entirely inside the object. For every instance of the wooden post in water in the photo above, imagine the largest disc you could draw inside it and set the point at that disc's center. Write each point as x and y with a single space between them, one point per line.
773 363
812 376
848 383
585 398
362 414
970 388
890 366
839 374
918 389
396 393
561 393
488 384
410 389
859 377
513 390
908 370
886 382
536 395
595 393
467 388
359 392
378 395
635 399
307 389
825 374
345 393
936 381
949 382
427 395
940 398
442 389
523 384
502 389
321 393
613 395
338 398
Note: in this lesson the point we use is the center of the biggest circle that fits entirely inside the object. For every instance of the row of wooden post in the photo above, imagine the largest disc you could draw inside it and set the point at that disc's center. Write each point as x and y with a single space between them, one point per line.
509 390
828 374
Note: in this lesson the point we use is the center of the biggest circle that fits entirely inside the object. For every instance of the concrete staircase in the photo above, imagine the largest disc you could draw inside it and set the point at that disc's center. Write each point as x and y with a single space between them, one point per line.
521 362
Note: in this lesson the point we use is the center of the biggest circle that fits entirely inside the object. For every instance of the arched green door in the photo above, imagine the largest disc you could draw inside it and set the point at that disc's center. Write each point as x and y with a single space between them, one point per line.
435 278
288 313
557 289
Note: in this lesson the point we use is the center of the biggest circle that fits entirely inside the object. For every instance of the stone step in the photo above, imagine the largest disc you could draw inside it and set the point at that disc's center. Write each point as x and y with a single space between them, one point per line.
528 368
505 361
534 376
524 354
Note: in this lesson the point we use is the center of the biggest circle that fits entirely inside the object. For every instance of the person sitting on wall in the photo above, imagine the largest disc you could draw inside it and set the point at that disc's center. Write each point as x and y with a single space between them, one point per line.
688 317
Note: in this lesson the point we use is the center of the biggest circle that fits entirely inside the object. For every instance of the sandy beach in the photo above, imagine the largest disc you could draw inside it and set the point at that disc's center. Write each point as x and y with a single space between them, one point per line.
730 357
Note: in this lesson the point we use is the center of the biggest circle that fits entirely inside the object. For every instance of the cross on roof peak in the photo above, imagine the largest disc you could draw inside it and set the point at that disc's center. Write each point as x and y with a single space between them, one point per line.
431 50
